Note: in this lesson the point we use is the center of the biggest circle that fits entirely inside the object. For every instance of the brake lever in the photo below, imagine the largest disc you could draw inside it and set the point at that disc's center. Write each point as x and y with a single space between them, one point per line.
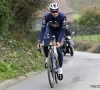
39 49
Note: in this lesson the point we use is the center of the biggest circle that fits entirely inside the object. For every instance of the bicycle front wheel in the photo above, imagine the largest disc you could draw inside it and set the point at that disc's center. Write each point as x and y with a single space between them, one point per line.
56 68
51 72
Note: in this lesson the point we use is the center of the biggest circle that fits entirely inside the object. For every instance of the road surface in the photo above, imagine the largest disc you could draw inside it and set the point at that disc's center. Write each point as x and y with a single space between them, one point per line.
81 72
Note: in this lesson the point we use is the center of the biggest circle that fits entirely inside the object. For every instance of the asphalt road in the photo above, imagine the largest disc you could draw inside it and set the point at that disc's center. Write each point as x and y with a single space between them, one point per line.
81 72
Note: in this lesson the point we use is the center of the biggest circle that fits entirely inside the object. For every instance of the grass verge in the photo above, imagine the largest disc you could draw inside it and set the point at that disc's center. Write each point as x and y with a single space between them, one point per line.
19 58
87 46
90 38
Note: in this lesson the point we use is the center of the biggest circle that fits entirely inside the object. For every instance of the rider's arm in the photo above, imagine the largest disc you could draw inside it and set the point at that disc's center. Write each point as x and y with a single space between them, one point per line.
43 28
63 29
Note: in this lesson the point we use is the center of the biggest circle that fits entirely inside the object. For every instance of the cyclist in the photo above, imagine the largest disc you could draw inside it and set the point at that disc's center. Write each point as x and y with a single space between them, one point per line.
53 23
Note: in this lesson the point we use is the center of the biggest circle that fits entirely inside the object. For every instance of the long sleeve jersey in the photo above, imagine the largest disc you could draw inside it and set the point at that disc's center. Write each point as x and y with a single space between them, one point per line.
55 24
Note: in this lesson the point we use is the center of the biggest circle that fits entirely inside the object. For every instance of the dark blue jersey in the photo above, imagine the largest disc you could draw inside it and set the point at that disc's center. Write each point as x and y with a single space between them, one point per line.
55 24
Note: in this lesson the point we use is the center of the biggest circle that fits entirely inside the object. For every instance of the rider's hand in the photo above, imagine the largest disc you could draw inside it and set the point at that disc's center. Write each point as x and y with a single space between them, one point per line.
39 46
58 45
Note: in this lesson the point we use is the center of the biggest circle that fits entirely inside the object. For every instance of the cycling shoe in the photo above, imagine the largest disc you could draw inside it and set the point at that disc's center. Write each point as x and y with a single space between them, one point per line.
60 76
60 73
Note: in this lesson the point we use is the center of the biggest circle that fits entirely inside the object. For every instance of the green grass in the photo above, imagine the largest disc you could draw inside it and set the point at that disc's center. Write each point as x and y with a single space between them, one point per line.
19 59
76 16
94 38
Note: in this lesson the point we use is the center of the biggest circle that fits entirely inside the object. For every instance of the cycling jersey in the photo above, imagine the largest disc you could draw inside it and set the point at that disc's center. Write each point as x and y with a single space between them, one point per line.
55 24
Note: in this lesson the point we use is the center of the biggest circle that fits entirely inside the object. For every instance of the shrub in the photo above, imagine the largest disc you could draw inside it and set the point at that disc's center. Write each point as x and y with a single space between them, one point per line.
5 15
90 16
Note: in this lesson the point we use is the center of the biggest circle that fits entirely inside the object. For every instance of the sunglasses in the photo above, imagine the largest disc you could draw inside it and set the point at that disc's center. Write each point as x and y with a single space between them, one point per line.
54 11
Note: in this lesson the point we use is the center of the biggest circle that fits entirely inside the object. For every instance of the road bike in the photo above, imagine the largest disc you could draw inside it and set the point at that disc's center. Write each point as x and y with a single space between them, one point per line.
52 64
52 67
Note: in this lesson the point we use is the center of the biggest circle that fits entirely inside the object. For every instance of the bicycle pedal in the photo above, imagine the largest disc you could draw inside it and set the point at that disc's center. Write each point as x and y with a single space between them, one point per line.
60 76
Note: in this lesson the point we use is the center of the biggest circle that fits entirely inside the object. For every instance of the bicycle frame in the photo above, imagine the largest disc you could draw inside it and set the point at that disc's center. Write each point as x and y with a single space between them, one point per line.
52 65
51 52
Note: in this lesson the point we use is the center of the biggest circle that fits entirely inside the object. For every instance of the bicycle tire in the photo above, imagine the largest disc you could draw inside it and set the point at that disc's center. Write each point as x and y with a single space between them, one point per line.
71 51
56 69
51 73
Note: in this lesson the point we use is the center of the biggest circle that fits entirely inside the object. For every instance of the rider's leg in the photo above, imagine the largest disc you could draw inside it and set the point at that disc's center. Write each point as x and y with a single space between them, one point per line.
60 59
60 56
47 39
71 42
59 51
63 44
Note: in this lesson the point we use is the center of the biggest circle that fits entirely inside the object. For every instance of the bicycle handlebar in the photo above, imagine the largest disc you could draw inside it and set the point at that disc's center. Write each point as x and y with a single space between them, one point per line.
46 45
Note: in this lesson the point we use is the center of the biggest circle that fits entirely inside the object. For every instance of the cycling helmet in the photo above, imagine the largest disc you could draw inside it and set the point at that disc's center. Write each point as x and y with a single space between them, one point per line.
54 7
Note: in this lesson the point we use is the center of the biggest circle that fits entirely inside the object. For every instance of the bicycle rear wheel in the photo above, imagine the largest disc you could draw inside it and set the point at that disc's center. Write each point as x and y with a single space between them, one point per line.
51 72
